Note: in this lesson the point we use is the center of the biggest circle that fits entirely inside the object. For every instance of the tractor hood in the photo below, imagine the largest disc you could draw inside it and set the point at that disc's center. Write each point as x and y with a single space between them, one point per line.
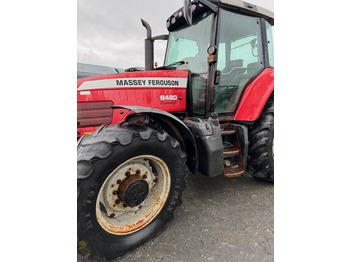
160 89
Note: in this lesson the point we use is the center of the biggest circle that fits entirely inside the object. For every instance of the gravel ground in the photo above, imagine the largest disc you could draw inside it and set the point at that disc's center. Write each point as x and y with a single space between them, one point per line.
220 219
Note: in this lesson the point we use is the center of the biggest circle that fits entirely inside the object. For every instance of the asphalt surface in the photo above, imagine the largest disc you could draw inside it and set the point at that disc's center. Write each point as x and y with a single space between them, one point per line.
220 219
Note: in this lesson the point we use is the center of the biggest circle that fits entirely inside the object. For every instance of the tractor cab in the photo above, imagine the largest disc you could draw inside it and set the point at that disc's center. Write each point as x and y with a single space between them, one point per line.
225 45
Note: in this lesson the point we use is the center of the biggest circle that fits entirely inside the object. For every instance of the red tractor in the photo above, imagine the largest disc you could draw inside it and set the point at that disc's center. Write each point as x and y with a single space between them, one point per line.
209 111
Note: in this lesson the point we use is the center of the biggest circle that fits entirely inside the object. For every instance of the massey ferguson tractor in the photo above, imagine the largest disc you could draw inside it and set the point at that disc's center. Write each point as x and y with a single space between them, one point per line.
209 111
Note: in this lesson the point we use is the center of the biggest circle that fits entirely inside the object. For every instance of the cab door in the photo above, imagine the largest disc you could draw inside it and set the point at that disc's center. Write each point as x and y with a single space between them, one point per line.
240 58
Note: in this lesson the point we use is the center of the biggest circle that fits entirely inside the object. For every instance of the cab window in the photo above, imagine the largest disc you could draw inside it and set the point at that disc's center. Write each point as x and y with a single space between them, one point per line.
240 58
269 34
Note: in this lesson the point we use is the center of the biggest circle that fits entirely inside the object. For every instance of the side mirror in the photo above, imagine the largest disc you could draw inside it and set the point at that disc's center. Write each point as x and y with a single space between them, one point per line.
188 11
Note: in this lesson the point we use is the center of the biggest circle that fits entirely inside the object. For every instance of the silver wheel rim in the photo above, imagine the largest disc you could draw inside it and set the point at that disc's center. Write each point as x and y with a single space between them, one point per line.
133 195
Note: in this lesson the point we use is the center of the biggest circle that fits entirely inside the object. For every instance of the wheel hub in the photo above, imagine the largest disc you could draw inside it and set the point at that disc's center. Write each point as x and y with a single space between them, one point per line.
133 194
133 190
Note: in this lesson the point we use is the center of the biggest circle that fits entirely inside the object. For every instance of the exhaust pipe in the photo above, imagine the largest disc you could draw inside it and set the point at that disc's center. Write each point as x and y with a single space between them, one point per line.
149 47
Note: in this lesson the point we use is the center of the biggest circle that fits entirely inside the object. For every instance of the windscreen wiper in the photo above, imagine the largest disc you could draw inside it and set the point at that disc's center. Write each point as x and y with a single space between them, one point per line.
172 65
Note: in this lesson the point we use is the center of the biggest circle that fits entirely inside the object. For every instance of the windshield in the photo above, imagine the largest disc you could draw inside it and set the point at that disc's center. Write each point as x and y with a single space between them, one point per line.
190 44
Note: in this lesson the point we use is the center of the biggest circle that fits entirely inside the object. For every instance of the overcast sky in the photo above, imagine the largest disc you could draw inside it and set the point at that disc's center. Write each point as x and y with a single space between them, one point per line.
110 32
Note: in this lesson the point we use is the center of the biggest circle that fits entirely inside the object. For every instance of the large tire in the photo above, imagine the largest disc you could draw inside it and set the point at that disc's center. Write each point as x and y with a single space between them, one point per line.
261 137
130 181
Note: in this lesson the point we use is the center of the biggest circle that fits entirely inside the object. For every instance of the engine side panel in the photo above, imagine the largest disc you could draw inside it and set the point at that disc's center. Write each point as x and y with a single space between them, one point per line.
164 90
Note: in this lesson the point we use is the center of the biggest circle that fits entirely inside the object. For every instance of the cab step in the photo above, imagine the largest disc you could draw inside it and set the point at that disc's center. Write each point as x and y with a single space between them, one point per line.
226 132
233 159
231 152
234 171
227 129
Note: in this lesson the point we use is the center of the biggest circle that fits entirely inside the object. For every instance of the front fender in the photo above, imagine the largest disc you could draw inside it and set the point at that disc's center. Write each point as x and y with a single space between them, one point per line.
179 130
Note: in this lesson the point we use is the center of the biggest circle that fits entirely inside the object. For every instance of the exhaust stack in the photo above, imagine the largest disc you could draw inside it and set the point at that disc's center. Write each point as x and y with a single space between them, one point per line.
149 45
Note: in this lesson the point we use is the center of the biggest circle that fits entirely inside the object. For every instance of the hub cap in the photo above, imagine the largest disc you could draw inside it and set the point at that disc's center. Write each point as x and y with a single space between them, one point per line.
133 190
133 194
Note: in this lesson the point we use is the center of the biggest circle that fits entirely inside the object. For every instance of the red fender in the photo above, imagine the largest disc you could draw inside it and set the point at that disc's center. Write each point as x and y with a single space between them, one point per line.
255 96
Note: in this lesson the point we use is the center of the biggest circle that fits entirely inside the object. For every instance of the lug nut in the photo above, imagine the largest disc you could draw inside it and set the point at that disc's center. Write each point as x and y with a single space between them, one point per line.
144 176
117 201
124 205
115 192
138 172
127 173
119 181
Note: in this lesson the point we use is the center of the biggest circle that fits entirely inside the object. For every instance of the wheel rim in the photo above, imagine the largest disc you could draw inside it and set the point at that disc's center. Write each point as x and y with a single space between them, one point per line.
133 194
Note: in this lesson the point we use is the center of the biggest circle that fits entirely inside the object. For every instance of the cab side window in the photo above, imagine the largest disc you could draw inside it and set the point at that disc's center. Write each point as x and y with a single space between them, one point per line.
240 58
269 34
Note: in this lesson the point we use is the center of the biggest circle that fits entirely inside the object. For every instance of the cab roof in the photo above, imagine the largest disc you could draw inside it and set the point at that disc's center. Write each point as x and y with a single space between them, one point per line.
245 6
233 5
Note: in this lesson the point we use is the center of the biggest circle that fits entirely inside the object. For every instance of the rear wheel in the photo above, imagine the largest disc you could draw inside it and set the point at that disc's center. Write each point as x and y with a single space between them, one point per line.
130 181
261 139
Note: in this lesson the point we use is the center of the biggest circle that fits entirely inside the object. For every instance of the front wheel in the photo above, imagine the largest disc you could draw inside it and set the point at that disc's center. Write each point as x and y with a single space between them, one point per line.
130 181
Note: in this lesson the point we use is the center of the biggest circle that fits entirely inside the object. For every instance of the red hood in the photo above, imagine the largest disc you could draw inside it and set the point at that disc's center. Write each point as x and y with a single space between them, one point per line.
166 74
160 89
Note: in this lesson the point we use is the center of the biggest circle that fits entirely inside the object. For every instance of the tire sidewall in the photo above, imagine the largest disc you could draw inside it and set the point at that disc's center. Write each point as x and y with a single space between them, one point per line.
261 138
271 140
90 230
271 151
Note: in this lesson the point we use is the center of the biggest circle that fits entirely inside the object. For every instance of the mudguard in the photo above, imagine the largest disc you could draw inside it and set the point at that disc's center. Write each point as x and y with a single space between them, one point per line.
181 131
256 96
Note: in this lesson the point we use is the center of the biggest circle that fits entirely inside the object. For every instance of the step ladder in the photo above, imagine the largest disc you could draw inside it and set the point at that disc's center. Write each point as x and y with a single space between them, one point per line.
233 159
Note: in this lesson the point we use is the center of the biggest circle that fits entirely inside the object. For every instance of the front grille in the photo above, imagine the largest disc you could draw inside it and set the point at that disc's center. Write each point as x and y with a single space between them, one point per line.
94 113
